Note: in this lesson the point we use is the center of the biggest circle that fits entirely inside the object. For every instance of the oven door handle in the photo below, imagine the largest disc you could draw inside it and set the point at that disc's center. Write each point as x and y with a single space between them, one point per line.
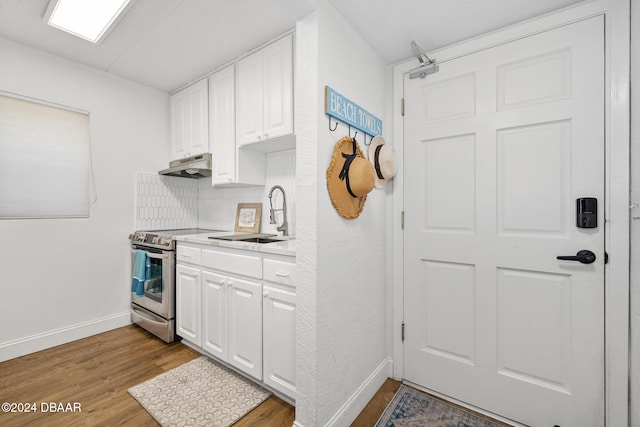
164 256
147 318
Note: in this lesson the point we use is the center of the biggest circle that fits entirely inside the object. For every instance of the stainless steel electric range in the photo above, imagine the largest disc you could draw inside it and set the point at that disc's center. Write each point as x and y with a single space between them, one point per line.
154 310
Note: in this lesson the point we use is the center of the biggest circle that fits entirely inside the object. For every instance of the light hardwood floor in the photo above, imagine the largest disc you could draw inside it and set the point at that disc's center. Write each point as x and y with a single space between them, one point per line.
97 371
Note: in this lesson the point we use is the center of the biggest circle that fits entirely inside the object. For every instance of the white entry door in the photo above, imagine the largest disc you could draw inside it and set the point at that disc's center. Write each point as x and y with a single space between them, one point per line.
499 145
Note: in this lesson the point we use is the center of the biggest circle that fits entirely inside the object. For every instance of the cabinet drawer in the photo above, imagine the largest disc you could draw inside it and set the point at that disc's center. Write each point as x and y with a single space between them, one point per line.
280 272
245 265
188 254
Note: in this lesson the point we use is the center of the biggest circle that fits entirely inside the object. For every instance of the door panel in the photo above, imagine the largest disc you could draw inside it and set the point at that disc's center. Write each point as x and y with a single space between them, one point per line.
450 169
245 326
450 297
279 329
278 84
222 113
499 144
534 157
543 358
188 308
214 300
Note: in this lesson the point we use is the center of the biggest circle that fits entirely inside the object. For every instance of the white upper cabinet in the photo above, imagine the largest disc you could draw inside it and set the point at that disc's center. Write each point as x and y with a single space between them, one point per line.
250 88
222 116
264 87
278 88
231 167
178 112
189 110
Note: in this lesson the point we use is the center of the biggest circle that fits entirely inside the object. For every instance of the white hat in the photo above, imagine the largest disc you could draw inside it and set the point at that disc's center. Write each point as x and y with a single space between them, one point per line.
383 160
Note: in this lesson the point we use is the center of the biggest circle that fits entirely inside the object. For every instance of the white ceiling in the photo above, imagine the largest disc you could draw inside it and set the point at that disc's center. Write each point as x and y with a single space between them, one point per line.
168 43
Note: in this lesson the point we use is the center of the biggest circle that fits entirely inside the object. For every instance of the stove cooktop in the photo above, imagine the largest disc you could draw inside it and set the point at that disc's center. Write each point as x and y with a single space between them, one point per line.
180 231
164 239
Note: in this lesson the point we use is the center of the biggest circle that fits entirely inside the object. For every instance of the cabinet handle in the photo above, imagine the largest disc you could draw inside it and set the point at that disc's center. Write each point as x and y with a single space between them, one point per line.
265 294
266 136
229 284
282 274
185 255
259 138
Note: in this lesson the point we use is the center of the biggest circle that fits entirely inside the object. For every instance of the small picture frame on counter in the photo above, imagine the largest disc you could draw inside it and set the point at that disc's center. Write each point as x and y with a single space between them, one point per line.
248 217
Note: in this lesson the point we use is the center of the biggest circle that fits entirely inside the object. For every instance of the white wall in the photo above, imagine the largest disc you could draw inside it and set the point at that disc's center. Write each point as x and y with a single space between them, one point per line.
341 263
634 380
68 278
308 185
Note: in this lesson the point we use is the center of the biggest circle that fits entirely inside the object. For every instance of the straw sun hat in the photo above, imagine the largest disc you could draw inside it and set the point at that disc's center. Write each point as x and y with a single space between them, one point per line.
350 177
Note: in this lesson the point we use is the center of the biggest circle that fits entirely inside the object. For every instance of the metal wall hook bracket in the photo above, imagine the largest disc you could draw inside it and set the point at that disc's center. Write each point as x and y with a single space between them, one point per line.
335 127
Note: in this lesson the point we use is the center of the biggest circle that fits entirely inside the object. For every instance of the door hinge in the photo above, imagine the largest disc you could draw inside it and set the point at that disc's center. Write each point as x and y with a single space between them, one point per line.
402 220
402 107
402 331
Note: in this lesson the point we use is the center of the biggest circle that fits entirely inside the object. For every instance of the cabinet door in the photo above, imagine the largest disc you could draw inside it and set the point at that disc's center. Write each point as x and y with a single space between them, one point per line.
278 88
199 118
214 314
188 304
250 99
178 109
279 329
222 113
245 326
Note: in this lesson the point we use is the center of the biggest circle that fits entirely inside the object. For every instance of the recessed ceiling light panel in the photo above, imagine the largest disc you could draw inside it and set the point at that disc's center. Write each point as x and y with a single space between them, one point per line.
89 19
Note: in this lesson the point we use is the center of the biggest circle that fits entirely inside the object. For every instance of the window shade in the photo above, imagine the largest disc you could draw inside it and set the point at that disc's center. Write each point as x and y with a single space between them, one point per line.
44 160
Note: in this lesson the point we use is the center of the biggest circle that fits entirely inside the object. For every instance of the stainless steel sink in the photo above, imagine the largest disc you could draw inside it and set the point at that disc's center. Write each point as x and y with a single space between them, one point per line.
261 240
253 238
242 237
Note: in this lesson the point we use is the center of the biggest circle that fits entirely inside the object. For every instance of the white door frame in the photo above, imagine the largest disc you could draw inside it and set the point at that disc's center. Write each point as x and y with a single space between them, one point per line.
617 149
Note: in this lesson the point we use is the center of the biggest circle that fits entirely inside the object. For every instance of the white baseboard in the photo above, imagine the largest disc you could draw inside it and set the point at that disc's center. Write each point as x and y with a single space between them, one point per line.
33 343
359 399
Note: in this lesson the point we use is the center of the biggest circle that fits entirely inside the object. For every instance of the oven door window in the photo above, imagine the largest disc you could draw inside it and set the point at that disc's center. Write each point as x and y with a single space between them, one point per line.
153 287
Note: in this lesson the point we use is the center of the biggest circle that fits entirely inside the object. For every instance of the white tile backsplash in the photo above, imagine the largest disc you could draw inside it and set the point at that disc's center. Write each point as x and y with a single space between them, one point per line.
218 206
281 170
165 202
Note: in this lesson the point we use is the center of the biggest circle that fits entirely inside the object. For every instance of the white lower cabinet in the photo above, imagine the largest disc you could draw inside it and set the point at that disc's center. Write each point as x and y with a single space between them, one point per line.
232 321
188 320
279 336
245 326
240 307
214 320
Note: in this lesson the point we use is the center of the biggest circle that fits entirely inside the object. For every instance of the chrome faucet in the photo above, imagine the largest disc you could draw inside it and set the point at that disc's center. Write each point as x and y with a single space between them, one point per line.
284 227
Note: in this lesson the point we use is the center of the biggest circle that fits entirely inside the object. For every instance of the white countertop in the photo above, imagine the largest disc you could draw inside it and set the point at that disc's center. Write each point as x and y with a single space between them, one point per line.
284 247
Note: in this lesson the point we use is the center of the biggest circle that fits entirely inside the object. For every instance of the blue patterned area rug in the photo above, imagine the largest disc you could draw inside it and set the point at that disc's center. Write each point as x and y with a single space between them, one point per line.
412 408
